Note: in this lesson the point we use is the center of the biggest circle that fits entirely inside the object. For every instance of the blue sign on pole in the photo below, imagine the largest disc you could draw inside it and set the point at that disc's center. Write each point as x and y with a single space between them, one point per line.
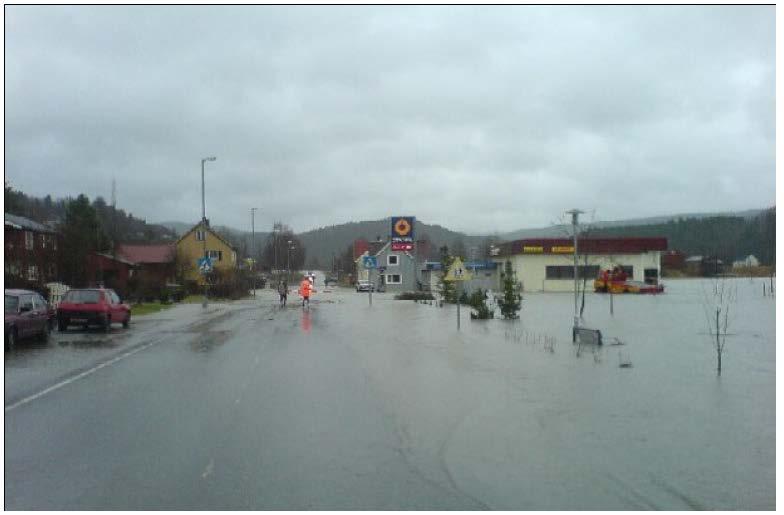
205 265
369 262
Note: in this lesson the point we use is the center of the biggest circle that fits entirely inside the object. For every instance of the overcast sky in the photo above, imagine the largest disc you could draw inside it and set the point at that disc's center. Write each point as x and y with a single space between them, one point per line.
480 119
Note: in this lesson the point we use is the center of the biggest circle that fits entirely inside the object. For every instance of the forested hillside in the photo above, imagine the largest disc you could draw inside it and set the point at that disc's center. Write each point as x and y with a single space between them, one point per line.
116 224
727 237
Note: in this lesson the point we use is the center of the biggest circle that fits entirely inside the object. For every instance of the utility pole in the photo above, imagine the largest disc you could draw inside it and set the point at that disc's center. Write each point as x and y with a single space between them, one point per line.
204 226
575 216
253 247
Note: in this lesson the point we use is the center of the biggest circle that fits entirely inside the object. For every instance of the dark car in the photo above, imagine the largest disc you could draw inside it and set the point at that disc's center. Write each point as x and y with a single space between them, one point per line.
94 306
330 280
27 314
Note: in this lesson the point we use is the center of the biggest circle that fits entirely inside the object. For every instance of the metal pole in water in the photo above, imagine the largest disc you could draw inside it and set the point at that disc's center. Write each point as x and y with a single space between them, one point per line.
575 214
458 303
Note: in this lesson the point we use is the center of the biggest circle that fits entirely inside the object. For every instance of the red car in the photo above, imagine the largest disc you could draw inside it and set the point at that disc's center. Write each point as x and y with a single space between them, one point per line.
95 306
26 314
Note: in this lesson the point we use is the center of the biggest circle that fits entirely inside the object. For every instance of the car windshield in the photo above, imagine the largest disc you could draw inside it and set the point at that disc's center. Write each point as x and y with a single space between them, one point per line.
82 297
11 304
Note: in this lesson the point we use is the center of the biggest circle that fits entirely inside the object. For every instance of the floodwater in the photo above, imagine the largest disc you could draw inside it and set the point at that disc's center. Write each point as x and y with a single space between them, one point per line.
514 415
343 405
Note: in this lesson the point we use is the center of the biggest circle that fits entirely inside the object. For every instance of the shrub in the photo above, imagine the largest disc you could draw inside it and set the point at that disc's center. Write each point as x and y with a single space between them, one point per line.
414 295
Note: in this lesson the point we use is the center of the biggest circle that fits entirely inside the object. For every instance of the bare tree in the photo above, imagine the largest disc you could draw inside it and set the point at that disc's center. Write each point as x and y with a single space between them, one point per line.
717 307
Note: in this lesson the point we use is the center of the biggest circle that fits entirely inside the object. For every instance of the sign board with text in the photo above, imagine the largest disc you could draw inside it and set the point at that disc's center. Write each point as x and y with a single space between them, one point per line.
402 229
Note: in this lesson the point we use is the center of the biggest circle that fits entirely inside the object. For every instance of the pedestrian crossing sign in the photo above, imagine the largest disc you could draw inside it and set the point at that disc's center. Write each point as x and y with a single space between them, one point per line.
457 272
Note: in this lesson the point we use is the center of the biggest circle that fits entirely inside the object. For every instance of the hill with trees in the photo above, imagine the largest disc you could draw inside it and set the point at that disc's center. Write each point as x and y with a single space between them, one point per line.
726 237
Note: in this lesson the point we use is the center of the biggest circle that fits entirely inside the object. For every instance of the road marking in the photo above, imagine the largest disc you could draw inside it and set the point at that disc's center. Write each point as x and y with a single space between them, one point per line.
84 374
208 470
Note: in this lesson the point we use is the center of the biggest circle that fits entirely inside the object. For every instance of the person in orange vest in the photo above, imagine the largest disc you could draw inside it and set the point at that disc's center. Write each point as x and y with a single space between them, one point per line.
304 289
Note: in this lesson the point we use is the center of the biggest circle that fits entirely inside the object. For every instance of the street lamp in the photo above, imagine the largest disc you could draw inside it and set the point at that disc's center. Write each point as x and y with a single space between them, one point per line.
204 224
291 246
253 246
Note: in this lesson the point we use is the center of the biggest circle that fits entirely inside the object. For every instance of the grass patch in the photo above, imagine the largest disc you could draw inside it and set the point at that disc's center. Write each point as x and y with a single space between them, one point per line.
148 307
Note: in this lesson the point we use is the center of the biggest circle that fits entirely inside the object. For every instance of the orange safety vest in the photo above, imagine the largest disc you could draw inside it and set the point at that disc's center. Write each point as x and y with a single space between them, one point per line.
304 288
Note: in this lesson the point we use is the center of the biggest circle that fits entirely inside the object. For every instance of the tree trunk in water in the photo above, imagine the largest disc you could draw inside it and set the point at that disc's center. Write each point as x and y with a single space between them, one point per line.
718 342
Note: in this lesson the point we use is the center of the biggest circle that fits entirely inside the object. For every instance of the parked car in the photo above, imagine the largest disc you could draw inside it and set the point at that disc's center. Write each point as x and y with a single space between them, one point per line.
365 286
93 306
330 279
27 314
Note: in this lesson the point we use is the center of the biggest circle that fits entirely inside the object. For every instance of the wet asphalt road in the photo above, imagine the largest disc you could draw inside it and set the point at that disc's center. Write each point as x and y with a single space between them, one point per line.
347 406
247 407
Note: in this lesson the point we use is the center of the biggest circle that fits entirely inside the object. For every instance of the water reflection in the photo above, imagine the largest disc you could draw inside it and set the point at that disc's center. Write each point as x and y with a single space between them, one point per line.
305 322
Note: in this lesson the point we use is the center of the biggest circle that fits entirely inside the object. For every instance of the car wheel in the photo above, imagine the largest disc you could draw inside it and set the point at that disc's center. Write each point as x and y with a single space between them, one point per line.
127 321
62 324
107 325
45 332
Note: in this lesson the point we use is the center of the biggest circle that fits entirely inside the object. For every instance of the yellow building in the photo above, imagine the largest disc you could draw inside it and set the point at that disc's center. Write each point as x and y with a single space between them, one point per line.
191 247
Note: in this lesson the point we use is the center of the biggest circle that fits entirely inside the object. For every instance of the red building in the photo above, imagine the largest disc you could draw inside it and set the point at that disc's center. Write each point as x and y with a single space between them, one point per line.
105 270
31 252
673 260
155 263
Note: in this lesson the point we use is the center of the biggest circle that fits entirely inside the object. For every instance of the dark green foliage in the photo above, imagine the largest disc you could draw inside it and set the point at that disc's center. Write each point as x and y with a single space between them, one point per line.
116 223
464 297
414 295
82 234
726 237
510 302
478 301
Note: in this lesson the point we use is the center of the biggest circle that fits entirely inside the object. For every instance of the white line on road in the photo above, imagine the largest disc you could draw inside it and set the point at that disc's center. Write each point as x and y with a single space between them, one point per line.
77 377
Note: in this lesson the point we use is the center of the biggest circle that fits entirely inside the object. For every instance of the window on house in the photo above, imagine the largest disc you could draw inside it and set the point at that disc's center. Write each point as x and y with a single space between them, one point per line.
32 273
215 255
29 240
200 235
392 260
43 241
394 279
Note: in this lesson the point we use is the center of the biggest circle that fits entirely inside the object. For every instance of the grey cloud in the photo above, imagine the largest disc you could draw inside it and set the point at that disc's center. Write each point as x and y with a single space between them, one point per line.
478 119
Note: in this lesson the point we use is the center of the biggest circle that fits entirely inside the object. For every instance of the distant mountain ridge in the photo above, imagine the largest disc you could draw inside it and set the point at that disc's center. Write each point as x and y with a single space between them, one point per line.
324 243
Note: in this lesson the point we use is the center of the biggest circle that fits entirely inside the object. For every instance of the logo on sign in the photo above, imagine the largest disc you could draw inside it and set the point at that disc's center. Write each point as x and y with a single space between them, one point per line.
562 250
397 246
403 228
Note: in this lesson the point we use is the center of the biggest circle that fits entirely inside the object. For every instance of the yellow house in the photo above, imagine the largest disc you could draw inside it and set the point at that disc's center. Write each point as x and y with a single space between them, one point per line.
192 245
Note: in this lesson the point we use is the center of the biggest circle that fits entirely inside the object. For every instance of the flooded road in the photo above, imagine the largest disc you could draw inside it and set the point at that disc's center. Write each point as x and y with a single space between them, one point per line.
347 406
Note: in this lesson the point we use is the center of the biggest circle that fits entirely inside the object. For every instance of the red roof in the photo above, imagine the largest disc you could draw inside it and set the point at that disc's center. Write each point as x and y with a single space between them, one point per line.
162 253
584 245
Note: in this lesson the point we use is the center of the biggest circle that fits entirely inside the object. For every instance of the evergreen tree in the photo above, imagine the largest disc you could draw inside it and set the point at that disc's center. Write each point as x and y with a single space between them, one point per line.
510 302
478 301
82 235
446 288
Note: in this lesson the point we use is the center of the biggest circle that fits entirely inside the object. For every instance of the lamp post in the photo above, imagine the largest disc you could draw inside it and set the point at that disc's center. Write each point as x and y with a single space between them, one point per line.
253 247
204 225
288 258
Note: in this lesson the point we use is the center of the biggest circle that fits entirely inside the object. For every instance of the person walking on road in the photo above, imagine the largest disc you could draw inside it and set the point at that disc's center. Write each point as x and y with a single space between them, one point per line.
304 289
283 291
